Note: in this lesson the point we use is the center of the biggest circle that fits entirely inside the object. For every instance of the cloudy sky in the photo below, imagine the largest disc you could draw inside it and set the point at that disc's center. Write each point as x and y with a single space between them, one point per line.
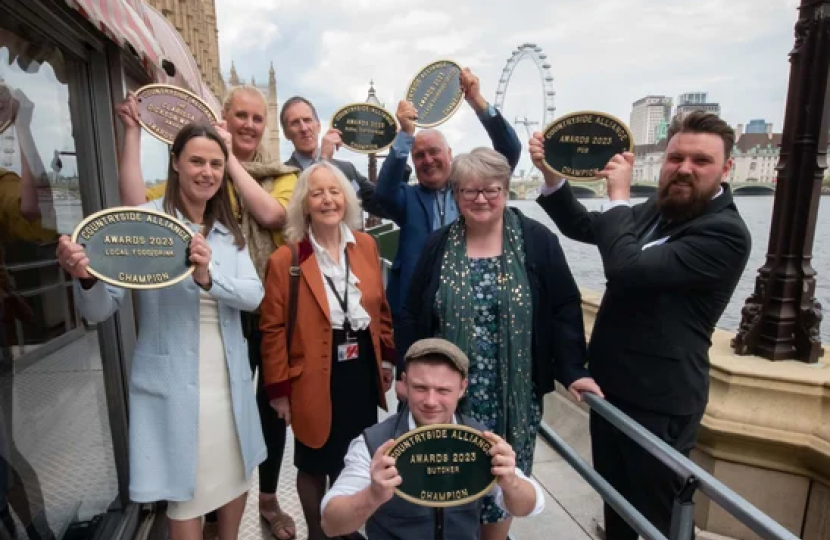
604 54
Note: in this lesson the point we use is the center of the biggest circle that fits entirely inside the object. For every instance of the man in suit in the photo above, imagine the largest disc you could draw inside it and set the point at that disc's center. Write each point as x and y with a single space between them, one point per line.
301 126
672 264
423 208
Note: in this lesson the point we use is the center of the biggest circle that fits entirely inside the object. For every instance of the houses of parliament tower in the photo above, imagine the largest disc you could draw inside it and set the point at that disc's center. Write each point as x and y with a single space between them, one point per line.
195 20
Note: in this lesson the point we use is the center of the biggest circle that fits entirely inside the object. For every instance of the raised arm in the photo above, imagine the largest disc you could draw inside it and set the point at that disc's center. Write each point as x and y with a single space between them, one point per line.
391 188
558 200
700 258
266 210
501 133
130 180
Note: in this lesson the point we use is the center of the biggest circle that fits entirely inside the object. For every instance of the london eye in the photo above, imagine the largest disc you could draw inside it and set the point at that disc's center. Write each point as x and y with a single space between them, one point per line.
535 54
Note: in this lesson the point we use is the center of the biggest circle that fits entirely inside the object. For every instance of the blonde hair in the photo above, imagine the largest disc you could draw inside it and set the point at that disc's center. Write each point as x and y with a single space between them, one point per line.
480 163
296 218
243 89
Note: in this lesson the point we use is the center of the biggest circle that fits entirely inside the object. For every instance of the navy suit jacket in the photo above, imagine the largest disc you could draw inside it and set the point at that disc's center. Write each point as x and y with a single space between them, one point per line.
411 207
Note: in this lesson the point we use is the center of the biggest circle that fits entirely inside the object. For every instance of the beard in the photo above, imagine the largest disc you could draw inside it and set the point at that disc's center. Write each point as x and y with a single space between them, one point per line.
679 208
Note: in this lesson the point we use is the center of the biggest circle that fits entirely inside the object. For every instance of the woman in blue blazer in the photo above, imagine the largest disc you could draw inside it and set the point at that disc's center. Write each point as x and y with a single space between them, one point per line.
195 436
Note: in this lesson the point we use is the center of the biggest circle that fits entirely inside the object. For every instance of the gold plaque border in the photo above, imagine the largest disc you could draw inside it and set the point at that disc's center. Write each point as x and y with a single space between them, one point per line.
448 504
457 105
579 113
115 282
214 119
382 111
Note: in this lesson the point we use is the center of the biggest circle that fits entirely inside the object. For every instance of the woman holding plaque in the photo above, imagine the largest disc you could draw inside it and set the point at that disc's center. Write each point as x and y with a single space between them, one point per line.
195 437
259 194
328 354
497 284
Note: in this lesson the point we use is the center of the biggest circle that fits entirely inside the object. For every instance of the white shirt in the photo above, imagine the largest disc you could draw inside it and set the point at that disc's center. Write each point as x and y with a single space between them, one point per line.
358 318
356 477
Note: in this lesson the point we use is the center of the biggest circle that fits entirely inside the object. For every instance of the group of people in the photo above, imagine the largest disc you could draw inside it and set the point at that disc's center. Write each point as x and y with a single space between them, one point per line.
286 320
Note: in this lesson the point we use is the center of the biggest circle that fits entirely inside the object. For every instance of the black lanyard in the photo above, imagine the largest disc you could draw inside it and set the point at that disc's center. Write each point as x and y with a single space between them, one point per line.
343 301
441 211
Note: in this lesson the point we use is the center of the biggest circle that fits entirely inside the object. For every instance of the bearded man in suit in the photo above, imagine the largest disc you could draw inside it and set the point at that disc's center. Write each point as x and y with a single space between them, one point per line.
671 264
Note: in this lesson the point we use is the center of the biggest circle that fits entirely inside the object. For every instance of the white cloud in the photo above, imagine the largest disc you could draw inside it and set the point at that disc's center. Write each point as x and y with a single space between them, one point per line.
604 54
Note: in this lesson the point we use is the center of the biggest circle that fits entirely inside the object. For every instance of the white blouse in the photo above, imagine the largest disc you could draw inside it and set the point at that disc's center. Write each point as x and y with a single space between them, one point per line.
358 317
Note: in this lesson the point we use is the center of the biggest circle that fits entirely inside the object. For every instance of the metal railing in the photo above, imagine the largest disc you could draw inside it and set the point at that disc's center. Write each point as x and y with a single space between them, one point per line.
694 478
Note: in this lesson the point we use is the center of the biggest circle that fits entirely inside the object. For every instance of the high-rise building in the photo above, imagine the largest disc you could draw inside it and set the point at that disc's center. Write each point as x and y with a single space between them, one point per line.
647 114
759 125
695 101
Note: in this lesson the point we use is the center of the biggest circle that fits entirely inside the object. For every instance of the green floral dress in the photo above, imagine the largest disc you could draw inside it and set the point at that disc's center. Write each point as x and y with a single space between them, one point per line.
482 400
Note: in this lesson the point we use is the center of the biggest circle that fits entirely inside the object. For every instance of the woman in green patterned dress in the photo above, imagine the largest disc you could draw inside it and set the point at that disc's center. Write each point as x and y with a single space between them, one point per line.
496 283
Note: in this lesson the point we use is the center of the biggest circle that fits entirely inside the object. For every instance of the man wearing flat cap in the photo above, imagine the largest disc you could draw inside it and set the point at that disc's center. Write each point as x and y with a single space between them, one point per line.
435 377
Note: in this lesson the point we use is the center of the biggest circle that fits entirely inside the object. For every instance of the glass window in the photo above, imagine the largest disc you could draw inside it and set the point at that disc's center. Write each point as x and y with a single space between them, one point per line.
56 459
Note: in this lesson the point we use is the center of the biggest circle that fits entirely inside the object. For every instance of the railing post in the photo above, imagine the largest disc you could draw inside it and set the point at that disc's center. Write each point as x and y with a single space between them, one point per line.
683 512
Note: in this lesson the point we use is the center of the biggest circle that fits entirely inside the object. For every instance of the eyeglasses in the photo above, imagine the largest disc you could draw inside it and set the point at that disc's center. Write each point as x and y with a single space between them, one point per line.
489 193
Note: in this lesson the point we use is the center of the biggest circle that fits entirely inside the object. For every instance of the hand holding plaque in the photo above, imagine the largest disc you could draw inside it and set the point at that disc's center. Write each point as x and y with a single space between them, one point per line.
503 461
127 112
200 257
617 173
330 143
384 475
72 258
407 114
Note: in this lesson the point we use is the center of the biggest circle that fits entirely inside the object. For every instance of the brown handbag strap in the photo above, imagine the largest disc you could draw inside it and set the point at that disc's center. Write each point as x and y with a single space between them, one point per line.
293 288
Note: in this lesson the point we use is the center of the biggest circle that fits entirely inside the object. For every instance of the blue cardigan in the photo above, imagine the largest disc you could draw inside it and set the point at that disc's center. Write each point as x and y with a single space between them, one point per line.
164 379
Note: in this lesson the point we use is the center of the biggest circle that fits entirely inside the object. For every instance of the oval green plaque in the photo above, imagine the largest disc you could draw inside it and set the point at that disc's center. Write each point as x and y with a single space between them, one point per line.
443 465
365 128
436 93
579 145
135 248
164 110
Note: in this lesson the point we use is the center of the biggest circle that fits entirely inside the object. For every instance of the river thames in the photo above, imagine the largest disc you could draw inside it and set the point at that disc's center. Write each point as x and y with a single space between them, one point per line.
586 264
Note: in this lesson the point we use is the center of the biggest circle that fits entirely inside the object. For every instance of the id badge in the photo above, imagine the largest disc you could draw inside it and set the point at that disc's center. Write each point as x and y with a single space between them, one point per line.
347 351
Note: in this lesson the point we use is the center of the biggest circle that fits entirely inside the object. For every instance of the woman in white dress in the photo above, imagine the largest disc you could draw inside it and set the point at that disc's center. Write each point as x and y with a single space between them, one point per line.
195 437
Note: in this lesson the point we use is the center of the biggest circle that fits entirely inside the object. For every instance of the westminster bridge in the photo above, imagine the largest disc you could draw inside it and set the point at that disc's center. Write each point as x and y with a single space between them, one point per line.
526 189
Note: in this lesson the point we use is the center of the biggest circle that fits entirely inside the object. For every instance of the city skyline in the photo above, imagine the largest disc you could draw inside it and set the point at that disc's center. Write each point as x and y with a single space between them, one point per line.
601 59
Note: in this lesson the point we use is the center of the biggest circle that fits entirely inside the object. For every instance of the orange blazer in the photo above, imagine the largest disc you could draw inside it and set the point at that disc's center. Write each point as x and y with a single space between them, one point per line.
306 375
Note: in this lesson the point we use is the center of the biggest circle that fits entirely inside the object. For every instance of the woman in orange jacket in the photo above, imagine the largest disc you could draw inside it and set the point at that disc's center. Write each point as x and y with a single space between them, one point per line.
330 384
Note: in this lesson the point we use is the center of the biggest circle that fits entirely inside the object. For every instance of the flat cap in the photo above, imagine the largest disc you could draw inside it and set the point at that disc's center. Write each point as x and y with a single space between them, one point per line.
439 347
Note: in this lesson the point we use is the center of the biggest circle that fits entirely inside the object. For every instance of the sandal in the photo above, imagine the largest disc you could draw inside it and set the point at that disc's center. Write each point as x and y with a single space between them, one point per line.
281 525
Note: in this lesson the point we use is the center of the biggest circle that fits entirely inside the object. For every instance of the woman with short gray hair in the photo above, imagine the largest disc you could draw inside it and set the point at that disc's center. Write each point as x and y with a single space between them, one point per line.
496 283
